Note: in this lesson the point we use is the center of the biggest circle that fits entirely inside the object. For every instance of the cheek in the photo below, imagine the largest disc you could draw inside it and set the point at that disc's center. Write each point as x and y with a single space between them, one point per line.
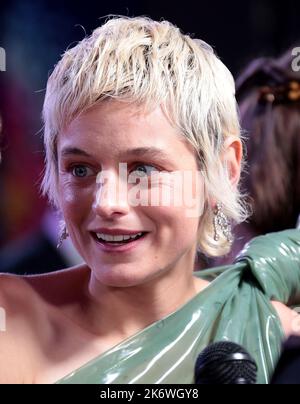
184 192
75 205
75 202
172 227
178 222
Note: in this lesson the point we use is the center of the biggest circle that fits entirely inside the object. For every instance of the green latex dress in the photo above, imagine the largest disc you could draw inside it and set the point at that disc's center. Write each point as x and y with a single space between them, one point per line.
234 307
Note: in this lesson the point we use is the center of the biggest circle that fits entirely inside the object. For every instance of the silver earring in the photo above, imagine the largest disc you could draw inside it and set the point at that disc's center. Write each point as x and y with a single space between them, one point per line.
221 222
63 236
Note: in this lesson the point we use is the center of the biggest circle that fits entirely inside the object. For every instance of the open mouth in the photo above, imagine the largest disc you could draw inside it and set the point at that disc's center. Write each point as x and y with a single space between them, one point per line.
121 240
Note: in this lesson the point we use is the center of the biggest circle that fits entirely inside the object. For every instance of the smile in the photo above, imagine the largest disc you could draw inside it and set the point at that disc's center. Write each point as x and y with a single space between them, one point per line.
118 243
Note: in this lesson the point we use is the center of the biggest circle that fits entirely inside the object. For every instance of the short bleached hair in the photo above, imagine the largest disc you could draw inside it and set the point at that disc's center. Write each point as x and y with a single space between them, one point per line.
150 63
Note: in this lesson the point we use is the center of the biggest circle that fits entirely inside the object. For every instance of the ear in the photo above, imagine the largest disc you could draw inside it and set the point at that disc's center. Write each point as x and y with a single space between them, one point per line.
232 155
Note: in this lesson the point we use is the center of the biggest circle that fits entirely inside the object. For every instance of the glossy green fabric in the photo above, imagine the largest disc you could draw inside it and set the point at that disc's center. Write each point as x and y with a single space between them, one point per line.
235 307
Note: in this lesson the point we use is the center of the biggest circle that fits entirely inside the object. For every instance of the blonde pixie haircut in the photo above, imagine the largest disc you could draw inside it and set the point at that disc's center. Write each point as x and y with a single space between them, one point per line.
152 63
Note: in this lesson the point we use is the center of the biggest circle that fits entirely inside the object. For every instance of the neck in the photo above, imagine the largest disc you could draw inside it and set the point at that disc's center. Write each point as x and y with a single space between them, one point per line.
121 312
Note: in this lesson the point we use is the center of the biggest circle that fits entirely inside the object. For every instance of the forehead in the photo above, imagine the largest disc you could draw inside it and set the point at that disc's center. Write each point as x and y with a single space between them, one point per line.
118 129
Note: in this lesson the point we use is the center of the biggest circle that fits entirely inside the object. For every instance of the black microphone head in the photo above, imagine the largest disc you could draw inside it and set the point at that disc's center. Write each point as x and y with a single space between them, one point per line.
225 363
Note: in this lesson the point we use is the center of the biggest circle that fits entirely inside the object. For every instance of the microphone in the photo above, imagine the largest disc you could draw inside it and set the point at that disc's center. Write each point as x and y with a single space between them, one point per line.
225 363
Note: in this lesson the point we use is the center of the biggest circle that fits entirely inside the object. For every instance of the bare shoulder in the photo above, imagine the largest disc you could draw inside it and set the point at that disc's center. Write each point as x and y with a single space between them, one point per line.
28 319
15 296
290 319
16 300
29 289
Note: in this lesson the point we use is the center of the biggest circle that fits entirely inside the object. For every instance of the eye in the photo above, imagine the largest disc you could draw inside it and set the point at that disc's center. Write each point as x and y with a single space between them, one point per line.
81 171
143 169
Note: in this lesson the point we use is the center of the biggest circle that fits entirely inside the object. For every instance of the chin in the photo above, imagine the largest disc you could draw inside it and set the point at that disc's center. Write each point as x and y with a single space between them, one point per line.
120 277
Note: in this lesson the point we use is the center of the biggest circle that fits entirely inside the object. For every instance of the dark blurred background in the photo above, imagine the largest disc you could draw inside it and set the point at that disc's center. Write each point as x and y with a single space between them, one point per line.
35 33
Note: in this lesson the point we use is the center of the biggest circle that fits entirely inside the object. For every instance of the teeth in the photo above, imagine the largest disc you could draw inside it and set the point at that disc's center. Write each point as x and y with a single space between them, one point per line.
108 237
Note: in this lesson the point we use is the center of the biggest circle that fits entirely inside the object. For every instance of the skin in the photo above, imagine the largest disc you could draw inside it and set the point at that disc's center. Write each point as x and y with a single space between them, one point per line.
86 310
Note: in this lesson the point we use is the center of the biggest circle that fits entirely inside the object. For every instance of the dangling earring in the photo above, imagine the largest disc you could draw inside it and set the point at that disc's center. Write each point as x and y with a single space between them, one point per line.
221 222
63 236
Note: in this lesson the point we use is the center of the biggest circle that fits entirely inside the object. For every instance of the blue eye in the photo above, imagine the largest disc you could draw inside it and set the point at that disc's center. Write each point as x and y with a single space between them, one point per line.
143 171
81 171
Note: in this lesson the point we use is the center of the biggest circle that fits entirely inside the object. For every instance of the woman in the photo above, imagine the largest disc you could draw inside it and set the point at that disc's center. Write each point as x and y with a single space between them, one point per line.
127 111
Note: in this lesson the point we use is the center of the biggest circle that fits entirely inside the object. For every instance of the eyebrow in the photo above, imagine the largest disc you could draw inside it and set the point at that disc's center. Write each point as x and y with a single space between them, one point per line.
74 151
138 152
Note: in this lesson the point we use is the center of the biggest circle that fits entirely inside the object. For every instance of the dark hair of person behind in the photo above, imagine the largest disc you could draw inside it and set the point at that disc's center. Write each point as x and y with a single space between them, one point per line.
268 93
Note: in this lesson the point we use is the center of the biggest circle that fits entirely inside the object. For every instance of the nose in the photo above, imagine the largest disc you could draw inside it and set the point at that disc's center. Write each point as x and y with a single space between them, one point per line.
111 196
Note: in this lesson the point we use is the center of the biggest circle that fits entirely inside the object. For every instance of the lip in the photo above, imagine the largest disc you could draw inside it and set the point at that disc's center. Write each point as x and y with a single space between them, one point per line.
117 232
120 248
